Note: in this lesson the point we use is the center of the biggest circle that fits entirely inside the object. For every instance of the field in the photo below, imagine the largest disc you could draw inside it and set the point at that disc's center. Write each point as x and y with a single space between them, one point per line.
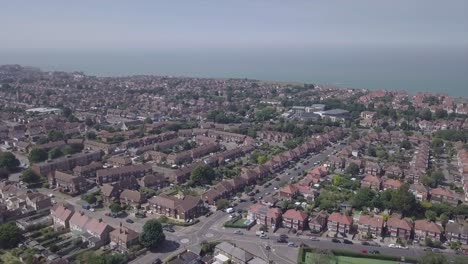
348 260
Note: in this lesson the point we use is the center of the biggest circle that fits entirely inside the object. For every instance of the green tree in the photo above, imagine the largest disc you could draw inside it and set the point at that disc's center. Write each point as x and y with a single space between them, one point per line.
89 122
55 135
261 159
433 258
29 176
405 144
8 161
37 155
55 153
352 169
10 236
431 215
148 120
91 135
90 198
363 198
68 150
152 235
115 207
203 174
222 204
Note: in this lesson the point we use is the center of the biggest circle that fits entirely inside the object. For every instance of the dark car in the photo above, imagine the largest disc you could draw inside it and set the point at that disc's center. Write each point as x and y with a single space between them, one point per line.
334 240
130 221
281 240
346 241
365 243
374 252
157 261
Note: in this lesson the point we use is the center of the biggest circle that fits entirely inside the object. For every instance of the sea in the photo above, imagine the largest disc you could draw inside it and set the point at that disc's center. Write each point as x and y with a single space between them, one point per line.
413 69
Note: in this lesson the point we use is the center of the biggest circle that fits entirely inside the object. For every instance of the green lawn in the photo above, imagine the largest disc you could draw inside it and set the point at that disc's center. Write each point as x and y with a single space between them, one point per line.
348 260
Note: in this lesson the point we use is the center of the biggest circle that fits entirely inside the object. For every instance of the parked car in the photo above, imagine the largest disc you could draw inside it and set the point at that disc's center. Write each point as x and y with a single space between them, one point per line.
334 240
365 243
238 232
314 239
375 252
130 221
281 240
346 241
364 251
291 244
392 246
264 236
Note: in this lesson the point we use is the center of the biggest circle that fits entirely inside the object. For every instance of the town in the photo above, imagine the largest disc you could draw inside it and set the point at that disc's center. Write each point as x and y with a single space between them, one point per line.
181 170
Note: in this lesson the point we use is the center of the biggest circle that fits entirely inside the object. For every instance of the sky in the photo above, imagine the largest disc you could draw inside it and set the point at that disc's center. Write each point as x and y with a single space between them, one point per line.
241 24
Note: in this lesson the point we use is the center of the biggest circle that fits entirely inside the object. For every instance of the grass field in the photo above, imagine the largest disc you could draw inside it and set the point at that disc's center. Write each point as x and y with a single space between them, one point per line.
348 260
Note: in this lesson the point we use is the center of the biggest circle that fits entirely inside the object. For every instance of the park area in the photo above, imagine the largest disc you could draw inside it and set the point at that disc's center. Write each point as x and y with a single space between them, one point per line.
313 256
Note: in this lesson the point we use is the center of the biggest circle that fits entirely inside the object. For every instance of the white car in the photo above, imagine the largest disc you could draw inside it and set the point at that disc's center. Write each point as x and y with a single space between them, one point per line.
275 188
392 246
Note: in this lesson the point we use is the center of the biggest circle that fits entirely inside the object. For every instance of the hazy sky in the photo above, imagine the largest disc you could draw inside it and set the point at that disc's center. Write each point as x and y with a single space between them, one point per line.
155 25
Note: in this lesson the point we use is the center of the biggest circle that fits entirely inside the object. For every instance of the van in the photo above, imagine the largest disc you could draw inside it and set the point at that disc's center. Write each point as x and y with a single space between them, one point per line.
229 210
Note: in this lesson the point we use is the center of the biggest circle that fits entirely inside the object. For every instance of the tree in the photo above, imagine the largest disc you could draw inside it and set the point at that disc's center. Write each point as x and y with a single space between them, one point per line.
29 176
203 174
352 169
426 114
148 120
10 236
89 122
444 219
8 161
66 111
431 215
55 135
152 235
37 155
405 144
93 258
433 258
222 204
363 198
90 198
115 207
91 135
67 150
261 159
4 174
55 153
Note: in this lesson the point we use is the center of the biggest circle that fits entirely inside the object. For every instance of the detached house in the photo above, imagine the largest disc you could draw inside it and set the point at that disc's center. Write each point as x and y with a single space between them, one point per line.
187 207
288 192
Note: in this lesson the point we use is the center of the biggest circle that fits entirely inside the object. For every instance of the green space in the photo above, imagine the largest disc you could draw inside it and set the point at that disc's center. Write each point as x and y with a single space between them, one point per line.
236 223
309 259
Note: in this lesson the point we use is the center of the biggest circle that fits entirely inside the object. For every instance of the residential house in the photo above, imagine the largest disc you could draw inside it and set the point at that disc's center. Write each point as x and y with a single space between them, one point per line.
370 225
132 198
339 223
441 194
420 191
68 183
457 232
61 215
187 207
425 229
372 182
318 222
288 192
399 227
391 184
124 237
119 174
295 219
264 215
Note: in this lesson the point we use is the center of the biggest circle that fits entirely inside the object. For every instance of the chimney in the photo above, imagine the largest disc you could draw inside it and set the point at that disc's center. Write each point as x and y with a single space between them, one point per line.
81 213
100 220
